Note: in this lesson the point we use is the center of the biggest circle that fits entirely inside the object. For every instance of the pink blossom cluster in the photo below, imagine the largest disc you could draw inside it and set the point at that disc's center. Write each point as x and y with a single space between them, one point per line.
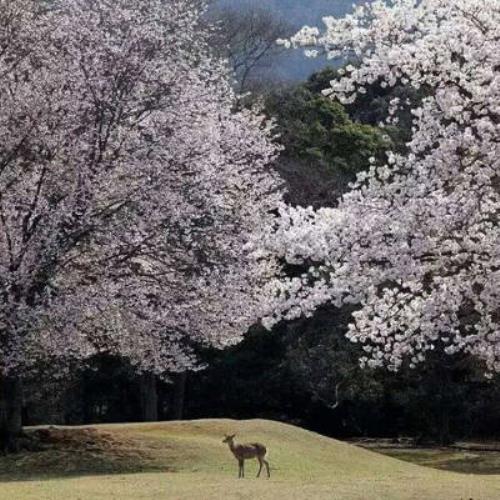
129 186
416 243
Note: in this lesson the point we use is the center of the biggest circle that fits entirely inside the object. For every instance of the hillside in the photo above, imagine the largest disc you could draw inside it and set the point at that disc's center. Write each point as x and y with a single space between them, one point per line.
187 460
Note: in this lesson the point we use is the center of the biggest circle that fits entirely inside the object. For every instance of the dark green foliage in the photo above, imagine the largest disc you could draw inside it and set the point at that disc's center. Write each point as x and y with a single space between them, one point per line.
318 135
245 381
325 364
305 372
372 108
293 373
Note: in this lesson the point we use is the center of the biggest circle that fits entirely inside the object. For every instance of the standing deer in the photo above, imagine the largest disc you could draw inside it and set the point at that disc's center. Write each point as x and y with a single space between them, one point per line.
243 452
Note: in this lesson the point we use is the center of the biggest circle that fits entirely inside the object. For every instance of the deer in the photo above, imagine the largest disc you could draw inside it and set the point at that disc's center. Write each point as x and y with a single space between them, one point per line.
246 451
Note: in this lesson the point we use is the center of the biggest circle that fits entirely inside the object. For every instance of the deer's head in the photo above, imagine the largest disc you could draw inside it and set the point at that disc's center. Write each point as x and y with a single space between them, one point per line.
228 438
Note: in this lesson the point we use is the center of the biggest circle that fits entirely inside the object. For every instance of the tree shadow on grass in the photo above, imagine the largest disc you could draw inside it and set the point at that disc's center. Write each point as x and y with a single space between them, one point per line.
468 460
82 452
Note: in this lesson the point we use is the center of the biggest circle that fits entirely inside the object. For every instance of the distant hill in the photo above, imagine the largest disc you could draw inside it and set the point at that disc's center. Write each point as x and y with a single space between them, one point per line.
299 12
295 66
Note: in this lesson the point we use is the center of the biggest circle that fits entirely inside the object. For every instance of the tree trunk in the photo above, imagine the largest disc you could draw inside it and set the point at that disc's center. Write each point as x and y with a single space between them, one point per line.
149 397
11 403
446 405
445 437
179 395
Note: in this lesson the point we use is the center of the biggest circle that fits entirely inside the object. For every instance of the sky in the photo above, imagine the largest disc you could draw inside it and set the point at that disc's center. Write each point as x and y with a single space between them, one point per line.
295 66
299 11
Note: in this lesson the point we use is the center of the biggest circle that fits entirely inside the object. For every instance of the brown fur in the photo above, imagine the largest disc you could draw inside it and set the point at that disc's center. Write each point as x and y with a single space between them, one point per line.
247 451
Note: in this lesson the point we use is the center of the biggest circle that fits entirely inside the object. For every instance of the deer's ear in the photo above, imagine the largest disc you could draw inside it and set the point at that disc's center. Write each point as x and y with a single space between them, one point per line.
233 436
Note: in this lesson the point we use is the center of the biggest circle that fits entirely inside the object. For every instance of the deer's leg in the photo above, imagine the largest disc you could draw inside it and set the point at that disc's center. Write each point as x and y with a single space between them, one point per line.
240 471
267 467
260 466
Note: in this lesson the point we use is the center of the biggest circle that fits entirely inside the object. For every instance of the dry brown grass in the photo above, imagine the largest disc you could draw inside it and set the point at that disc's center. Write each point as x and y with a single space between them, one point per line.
187 460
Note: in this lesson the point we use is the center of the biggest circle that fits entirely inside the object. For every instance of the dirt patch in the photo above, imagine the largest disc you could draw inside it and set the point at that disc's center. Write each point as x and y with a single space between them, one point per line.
76 439
64 451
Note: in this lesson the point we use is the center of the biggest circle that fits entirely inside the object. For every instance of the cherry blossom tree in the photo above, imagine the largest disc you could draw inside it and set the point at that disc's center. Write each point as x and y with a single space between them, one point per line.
129 189
416 243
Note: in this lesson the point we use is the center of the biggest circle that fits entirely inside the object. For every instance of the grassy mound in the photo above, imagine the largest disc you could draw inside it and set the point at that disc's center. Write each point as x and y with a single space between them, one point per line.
187 460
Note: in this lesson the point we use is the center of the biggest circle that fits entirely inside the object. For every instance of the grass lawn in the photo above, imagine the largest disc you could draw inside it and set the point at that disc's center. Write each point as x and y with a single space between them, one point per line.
187 460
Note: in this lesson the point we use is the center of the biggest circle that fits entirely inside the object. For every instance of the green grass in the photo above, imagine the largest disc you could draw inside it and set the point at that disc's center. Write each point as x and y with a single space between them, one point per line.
187 460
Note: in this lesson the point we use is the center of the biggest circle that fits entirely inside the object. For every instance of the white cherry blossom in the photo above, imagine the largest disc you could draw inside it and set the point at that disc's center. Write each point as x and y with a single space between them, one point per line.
129 186
416 243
